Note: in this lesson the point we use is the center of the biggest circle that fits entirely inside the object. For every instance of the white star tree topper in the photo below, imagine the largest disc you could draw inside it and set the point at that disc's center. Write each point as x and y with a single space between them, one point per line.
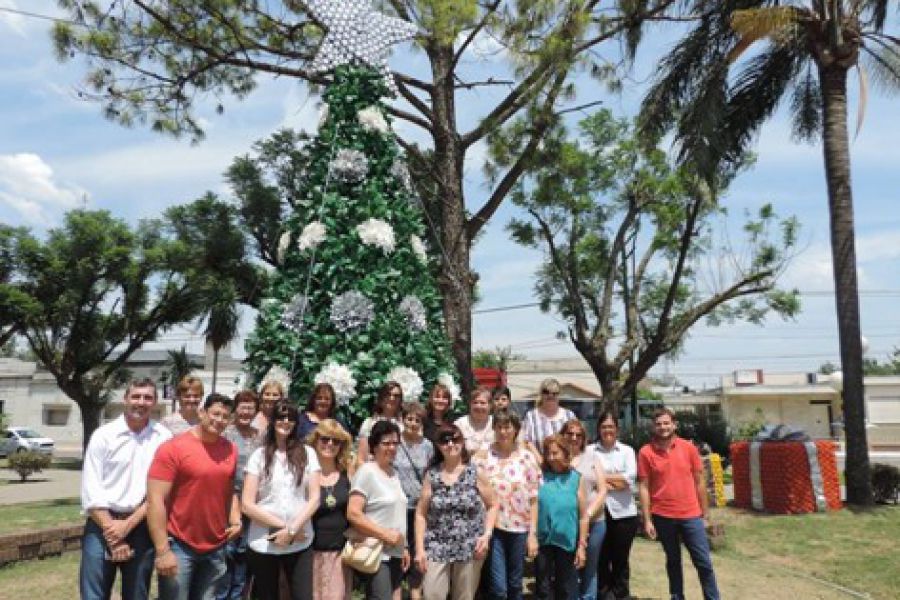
357 32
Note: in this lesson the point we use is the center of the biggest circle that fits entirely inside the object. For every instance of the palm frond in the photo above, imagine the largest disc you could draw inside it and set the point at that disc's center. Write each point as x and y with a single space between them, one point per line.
883 65
863 98
806 108
873 14
775 23
756 93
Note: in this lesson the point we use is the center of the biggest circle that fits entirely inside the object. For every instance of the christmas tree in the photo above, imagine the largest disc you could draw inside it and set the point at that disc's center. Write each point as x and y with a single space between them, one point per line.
353 302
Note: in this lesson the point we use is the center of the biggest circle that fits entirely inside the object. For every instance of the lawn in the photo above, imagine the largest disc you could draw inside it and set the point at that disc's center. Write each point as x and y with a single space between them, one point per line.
809 557
16 518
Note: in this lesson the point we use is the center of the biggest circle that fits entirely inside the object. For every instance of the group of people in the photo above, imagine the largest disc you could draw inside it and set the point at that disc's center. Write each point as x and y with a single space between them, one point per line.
253 495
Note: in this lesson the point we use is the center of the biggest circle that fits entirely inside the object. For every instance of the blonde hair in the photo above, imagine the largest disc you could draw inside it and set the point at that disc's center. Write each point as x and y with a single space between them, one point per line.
331 428
550 385
189 382
272 383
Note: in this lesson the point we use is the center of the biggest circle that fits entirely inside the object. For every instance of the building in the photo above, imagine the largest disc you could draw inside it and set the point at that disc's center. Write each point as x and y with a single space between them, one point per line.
29 396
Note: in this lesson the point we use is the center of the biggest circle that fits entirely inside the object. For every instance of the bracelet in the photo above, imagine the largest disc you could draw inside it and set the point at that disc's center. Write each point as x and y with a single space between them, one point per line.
291 531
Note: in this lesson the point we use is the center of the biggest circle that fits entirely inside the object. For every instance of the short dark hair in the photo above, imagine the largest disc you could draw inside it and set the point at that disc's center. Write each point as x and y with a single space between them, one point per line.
247 397
662 411
501 391
381 429
218 399
507 417
444 432
607 415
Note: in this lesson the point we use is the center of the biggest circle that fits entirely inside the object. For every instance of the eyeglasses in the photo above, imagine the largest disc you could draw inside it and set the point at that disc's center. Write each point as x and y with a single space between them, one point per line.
412 419
549 393
575 434
286 419
450 440
325 440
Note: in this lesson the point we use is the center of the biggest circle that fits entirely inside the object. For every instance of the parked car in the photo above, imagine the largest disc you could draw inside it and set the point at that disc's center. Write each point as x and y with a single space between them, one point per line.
22 439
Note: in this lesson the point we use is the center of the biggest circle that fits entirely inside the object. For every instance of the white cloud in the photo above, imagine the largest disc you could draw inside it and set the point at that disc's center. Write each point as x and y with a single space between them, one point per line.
28 186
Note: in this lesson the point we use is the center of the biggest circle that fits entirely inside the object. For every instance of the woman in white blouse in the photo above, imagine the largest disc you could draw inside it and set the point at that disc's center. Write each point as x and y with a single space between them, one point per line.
620 470
281 493
547 418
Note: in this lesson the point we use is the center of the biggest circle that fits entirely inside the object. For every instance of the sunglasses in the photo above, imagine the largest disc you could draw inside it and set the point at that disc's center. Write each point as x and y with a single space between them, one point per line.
445 441
325 440
286 418
577 434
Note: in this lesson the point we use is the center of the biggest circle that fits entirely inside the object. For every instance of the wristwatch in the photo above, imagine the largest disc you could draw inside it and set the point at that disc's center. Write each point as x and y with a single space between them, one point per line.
291 531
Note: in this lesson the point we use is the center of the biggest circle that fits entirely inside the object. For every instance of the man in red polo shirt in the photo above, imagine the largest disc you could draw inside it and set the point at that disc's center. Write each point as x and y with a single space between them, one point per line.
192 510
674 503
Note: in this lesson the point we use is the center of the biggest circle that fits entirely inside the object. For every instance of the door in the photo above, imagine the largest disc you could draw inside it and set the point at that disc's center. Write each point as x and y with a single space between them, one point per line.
819 419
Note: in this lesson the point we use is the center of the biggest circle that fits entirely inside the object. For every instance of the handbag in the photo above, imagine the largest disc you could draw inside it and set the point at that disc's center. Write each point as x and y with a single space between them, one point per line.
362 555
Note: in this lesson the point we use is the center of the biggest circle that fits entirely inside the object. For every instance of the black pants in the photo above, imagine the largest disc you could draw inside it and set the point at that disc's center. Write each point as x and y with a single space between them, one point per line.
614 572
555 574
266 571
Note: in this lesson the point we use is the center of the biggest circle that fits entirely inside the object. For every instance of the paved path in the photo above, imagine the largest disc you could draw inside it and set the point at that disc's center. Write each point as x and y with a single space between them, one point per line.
49 484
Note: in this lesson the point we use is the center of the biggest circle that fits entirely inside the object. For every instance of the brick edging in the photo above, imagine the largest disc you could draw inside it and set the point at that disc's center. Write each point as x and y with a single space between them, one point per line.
39 544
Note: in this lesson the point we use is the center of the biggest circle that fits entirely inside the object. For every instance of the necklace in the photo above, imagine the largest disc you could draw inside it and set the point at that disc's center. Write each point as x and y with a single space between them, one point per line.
330 500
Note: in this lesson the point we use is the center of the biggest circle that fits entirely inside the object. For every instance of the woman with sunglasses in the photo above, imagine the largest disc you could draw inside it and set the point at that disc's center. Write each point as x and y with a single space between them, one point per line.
377 509
589 465
547 418
515 477
412 460
438 409
387 408
454 520
321 405
280 495
331 579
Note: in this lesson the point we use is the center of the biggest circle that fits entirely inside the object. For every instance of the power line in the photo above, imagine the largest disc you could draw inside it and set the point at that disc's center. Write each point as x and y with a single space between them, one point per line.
25 13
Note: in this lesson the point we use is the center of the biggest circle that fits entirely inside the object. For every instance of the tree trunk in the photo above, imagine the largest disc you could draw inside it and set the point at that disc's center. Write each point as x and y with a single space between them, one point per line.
90 420
833 79
456 281
215 368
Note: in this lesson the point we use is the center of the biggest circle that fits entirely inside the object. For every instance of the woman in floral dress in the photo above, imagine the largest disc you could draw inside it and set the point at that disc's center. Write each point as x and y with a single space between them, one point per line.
454 520
515 477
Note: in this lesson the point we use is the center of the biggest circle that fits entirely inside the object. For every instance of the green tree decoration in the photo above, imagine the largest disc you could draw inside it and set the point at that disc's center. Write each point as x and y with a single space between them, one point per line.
352 301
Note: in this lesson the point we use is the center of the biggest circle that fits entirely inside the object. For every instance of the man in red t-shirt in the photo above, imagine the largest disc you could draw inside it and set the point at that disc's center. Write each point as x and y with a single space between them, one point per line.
192 510
674 503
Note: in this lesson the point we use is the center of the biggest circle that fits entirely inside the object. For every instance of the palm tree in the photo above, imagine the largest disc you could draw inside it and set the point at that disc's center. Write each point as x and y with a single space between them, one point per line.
178 366
222 321
715 107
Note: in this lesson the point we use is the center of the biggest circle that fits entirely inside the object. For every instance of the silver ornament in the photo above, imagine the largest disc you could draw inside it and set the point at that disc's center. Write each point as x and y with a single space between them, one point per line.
293 314
351 310
349 166
354 31
413 311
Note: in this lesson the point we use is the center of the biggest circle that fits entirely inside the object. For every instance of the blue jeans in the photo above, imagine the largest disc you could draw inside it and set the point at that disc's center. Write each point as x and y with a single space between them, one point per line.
506 565
97 575
232 585
587 577
199 574
670 533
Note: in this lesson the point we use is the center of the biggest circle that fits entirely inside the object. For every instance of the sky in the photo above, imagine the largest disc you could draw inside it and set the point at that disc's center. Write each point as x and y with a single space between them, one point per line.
57 152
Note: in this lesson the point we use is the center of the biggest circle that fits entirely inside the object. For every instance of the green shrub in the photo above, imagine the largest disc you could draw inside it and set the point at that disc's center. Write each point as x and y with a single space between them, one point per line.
747 430
28 463
700 429
885 483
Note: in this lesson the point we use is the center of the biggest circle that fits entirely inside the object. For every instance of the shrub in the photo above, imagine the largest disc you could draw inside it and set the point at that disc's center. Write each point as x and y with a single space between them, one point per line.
747 430
28 463
885 483
712 430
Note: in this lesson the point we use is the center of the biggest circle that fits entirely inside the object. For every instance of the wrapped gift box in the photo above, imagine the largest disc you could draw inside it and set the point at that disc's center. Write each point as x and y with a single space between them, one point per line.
786 477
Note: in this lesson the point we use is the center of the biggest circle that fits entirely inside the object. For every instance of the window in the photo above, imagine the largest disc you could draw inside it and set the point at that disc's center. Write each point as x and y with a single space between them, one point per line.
56 416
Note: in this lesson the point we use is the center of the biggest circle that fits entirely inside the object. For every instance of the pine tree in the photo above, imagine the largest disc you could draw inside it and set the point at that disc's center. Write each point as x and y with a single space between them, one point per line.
353 295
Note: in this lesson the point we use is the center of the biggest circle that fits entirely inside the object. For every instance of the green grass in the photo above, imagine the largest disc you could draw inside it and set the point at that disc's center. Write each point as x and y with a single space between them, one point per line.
15 518
854 550
804 557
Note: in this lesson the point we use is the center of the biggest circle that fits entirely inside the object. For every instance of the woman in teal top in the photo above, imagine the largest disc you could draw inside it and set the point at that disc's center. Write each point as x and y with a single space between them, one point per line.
559 533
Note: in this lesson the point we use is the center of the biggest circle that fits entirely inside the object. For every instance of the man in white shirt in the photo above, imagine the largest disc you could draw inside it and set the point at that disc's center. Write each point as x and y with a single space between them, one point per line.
113 495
